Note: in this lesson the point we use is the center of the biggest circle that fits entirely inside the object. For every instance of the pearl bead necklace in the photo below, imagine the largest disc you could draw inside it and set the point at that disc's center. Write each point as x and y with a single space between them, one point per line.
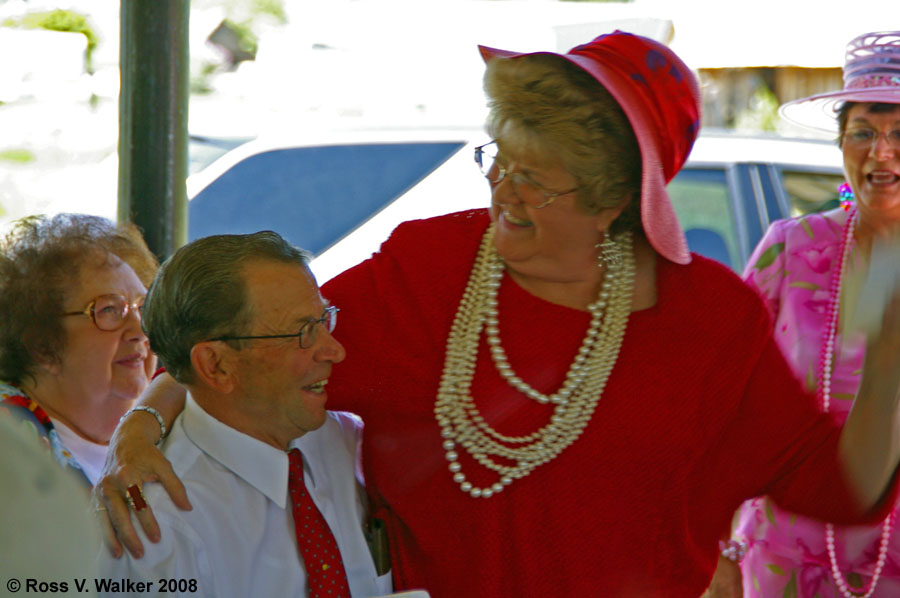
826 362
461 423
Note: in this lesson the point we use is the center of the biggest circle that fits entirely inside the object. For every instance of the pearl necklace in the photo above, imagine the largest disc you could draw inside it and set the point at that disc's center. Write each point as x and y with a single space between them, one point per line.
826 363
461 423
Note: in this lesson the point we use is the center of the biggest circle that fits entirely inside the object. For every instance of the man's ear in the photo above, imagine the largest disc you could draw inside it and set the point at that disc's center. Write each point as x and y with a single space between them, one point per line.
213 365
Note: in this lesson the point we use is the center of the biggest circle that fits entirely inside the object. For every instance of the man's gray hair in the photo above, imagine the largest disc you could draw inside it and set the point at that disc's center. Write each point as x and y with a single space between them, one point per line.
199 293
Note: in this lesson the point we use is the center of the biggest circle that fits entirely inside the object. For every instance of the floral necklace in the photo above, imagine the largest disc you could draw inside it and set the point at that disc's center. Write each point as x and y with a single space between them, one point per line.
462 426
826 368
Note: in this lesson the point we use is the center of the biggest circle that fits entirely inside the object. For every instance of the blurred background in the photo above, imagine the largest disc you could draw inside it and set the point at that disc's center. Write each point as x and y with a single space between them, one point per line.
304 66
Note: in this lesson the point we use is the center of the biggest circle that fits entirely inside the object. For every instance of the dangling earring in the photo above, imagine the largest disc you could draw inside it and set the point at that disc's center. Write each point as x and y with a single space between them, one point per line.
845 194
610 253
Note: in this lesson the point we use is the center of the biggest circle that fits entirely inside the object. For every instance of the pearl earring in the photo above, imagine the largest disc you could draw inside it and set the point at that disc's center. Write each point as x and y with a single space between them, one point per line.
610 252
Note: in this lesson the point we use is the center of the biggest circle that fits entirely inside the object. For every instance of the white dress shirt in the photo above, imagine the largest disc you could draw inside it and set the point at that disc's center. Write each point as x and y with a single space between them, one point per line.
239 539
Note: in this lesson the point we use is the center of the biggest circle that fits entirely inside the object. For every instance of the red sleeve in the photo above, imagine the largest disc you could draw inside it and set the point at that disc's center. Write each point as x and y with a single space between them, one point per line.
397 307
779 435
360 325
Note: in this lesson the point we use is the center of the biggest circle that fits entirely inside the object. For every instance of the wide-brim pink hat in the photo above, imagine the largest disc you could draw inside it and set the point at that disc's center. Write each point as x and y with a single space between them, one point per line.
871 74
661 99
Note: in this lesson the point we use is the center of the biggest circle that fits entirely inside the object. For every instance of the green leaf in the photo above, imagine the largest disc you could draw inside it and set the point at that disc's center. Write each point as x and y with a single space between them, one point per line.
768 256
810 379
801 284
807 228
790 590
775 569
770 513
855 581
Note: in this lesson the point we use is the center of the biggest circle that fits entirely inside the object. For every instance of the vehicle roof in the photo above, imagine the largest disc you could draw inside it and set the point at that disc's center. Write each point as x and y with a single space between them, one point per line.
313 138
712 146
718 147
456 184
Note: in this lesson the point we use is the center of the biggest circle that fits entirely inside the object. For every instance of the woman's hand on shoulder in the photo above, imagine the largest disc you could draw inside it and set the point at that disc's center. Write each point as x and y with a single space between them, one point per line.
133 459
726 583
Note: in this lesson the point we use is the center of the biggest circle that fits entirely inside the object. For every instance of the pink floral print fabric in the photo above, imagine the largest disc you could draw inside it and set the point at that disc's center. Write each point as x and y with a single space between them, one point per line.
791 268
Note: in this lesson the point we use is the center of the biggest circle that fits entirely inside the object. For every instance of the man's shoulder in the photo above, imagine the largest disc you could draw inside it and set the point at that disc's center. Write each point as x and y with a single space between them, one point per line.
207 482
341 433
202 475
180 451
343 423
181 530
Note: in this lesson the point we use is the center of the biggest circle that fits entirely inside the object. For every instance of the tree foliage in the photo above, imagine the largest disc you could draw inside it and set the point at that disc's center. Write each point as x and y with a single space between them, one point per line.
60 20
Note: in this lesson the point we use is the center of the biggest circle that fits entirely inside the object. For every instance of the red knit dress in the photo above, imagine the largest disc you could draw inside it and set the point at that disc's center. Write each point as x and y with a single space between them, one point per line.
699 413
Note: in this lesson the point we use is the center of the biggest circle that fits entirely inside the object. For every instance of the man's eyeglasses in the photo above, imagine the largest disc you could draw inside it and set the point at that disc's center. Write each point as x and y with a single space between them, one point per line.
306 335
530 192
108 312
865 138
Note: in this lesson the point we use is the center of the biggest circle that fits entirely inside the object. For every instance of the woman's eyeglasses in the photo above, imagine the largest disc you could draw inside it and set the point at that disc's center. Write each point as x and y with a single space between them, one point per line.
865 138
492 167
306 335
108 312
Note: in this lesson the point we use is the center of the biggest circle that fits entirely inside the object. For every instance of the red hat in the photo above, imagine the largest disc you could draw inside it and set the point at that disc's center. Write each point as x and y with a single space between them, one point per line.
660 96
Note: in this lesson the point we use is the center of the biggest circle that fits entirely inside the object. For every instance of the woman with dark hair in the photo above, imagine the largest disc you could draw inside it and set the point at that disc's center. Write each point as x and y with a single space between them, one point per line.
73 358
559 399
809 271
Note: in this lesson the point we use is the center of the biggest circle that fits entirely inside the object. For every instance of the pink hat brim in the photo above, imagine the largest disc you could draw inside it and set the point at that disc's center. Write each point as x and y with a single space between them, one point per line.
820 111
657 214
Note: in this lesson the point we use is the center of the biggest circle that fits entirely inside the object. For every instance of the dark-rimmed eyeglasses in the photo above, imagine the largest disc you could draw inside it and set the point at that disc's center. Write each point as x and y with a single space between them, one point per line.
306 336
492 167
108 312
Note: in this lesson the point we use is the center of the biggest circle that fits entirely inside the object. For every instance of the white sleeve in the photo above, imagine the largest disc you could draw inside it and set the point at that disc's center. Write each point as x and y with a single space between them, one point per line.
178 561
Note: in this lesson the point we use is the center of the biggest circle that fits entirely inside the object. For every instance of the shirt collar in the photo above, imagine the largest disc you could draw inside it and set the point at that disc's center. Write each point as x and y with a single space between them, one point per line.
259 464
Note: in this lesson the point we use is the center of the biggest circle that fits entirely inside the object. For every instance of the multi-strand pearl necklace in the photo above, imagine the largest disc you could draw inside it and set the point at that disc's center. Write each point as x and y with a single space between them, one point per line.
826 368
462 426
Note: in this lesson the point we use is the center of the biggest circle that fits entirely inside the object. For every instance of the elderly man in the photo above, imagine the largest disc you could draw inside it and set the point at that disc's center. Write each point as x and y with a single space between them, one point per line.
239 321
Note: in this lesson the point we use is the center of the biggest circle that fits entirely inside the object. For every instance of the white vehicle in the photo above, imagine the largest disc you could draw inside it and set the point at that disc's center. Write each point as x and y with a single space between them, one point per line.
340 195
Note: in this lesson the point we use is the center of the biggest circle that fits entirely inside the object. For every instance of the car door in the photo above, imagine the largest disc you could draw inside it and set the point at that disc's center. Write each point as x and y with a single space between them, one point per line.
725 209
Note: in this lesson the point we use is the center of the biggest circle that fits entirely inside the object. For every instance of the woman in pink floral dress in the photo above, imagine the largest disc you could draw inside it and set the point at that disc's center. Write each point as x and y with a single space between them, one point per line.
810 270
787 556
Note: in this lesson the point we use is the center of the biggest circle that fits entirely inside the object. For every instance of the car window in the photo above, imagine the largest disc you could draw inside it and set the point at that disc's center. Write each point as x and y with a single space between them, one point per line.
313 196
701 200
809 192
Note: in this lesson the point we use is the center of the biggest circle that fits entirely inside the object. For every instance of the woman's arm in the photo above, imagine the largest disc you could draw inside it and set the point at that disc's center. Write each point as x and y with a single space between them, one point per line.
726 582
133 459
870 440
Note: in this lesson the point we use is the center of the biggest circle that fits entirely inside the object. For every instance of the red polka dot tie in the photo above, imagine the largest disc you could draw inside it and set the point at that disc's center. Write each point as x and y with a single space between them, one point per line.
325 573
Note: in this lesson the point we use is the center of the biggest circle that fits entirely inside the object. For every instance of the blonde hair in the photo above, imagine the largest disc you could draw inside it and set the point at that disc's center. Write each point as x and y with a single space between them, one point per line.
563 110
